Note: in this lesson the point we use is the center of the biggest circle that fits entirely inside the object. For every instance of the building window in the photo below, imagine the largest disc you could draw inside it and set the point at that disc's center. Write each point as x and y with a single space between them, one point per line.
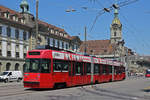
52 31
58 43
8 66
53 42
0 66
25 46
115 33
22 21
24 55
16 67
17 54
14 18
63 45
6 15
8 31
0 30
66 46
24 35
48 41
0 52
8 53
17 34
0 44
73 47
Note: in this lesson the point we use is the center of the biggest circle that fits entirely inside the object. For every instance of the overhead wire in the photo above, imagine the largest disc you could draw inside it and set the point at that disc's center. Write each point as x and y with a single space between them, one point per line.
133 32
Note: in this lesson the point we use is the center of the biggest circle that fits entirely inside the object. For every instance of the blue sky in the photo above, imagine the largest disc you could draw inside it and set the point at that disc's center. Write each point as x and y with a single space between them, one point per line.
134 17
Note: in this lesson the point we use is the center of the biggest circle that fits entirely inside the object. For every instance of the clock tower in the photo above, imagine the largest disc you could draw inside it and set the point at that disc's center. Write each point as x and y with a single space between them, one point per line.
116 29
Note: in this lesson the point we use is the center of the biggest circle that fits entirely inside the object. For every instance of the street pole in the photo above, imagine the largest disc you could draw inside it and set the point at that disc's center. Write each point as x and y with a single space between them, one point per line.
85 41
36 22
112 73
92 68
126 65
113 69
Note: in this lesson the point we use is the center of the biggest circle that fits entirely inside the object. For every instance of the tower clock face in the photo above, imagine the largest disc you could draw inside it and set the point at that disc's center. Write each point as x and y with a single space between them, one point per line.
115 25
114 28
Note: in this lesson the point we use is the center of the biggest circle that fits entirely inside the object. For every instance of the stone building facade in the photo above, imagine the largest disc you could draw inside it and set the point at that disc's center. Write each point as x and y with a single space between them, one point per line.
17 36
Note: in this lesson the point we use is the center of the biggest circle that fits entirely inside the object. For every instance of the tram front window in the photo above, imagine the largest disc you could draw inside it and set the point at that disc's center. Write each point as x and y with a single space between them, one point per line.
148 72
37 65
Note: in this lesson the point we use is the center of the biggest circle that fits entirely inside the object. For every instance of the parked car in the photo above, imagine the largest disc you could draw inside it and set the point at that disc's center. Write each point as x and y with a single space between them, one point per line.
139 74
8 76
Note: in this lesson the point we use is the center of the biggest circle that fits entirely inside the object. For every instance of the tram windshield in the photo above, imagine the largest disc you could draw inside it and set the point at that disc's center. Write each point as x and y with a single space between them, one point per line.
147 71
37 65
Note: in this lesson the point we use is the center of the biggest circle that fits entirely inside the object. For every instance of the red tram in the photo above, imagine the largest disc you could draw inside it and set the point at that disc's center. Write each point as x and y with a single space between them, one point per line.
147 74
50 68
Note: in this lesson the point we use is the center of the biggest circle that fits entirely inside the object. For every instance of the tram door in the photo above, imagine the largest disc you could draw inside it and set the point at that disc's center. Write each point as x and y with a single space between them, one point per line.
77 73
70 74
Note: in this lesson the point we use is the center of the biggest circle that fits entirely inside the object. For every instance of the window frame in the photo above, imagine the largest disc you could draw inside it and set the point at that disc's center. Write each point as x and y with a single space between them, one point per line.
77 66
8 31
62 64
88 68
24 35
98 66
16 33
1 30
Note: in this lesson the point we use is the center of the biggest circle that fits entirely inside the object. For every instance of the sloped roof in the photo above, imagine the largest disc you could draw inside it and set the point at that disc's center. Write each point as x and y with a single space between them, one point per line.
12 12
99 47
51 26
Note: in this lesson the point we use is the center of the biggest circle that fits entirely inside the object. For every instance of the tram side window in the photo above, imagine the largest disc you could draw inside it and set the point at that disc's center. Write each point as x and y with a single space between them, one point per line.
57 65
110 69
79 68
123 69
116 71
60 65
104 69
88 68
45 66
96 68
65 66
120 71
101 69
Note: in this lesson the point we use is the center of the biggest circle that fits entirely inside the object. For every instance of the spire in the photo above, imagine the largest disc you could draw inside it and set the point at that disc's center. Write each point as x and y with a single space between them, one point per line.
116 10
116 13
116 18
24 6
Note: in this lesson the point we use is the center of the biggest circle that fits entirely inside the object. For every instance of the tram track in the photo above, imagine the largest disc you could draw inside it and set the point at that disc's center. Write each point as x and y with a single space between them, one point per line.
122 94
3 87
14 89
113 94
16 92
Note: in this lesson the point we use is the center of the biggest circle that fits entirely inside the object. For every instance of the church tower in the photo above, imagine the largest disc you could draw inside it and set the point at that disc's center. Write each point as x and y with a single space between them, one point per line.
116 29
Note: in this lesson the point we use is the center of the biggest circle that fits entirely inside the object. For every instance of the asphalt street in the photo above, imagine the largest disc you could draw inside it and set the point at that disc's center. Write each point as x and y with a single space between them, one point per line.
131 89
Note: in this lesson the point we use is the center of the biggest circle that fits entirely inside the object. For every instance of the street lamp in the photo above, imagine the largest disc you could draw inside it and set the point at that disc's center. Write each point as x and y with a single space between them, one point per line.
71 10
36 23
